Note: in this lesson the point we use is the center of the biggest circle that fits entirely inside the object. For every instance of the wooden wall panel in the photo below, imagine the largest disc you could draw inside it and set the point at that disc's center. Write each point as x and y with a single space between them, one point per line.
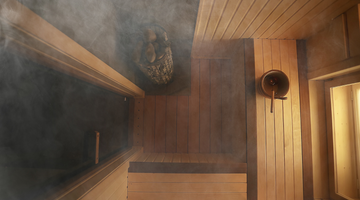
279 167
149 123
160 122
206 121
182 124
194 107
216 83
138 122
204 106
171 115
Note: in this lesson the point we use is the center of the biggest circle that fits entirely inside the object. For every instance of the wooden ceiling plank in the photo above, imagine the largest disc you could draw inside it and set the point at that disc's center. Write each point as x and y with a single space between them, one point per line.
305 10
322 20
216 15
300 24
270 7
228 14
273 17
249 18
284 18
244 8
204 12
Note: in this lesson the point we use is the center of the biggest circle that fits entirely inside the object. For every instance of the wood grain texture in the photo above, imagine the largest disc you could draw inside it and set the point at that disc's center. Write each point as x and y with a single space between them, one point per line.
222 22
160 122
215 102
280 171
131 121
226 108
204 107
194 107
138 122
305 121
149 124
171 117
186 178
188 196
182 124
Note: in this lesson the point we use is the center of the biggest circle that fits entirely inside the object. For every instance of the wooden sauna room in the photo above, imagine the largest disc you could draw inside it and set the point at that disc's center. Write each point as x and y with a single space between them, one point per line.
180 100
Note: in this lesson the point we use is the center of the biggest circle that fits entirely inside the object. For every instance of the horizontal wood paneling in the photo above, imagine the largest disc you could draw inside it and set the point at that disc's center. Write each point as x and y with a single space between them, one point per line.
187 178
280 172
220 22
207 121
187 196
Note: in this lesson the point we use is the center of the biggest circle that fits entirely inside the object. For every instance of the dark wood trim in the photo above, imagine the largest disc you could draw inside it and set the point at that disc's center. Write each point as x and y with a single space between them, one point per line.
251 129
161 167
305 121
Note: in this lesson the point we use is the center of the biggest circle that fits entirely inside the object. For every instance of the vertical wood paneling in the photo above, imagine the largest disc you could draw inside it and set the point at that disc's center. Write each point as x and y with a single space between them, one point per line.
279 131
288 134
138 122
260 122
149 123
204 106
238 102
182 124
216 97
269 128
160 120
279 138
294 86
226 107
171 104
194 107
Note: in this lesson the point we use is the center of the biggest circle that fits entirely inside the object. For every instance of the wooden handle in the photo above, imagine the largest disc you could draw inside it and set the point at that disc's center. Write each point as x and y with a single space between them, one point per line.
272 101
97 147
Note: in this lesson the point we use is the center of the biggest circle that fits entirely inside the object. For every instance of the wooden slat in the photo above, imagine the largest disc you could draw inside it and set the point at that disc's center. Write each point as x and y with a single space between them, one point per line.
279 129
284 18
260 122
151 157
143 157
187 178
294 86
321 20
239 103
231 7
177 167
187 187
138 122
238 18
193 158
149 123
131 121
204 106
171 104
269 8
216 14
168 157
215 135
301 12
160 119
201 158
270 137
160 157
226 107
182 124
294 29
288 135
120 193
254 11
185 158
176 158
188 196
193 141
273 17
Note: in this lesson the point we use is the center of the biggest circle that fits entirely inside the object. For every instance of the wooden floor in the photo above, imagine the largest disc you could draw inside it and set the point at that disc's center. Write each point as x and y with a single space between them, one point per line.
210 120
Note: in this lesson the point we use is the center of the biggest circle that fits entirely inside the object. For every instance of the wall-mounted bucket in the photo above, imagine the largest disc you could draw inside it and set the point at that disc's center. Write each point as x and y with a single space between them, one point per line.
275 85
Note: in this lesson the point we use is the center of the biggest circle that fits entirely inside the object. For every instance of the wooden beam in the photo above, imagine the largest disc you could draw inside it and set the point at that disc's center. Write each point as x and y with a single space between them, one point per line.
31 36
251 126
305 122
